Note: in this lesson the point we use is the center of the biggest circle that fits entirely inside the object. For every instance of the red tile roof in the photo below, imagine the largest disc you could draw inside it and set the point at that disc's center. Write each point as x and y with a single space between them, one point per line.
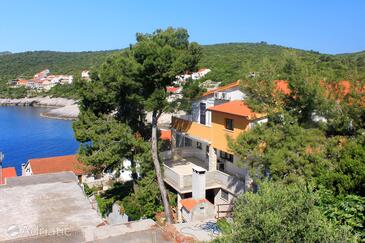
202 69
58 164
282 86
8 172
190 203
236 107
171 89
225 87
165 135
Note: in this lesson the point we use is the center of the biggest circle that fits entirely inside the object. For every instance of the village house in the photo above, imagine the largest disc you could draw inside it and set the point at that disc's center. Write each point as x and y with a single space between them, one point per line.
180 79
199 142
83 172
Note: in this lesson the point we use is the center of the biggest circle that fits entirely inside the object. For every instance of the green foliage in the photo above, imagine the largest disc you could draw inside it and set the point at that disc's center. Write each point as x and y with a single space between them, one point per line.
27 64
345 210
283 213
88 191
106 143
191 90
14 93
284 150
145 201
104 205
347 171
224 226
69 91
232 61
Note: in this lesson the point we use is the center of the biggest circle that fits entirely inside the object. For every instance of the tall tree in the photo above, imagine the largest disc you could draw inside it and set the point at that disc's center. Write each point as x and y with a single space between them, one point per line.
160 57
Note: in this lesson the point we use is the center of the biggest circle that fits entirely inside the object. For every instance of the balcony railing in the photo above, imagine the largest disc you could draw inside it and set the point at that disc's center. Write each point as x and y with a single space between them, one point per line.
214 179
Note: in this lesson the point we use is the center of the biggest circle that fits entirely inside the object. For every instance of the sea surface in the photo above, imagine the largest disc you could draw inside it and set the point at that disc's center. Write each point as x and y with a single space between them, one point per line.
25 135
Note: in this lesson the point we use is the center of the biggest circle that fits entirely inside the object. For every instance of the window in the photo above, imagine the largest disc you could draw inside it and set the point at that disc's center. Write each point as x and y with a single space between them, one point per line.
224 195
203 109
199 145
226 156
229 124
179 140
187 142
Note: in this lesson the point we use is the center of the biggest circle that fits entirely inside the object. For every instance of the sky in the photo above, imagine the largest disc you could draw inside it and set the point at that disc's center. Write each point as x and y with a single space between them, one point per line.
327 26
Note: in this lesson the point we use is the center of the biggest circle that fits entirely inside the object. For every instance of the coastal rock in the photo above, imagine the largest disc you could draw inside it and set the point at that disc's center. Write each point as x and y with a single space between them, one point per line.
64 108
38 102
69 112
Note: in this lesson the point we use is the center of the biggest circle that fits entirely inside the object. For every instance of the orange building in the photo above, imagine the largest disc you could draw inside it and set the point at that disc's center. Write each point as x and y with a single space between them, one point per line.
200 140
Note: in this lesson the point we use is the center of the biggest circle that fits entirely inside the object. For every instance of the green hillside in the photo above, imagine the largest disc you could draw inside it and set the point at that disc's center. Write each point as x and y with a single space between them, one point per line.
228 62
26 64
233 61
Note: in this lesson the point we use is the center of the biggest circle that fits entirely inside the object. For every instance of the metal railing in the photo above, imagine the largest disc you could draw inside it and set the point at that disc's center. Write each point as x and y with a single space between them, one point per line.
213 179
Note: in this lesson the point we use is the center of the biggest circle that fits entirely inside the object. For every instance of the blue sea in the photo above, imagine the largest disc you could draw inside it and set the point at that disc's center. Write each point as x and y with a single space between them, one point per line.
24 135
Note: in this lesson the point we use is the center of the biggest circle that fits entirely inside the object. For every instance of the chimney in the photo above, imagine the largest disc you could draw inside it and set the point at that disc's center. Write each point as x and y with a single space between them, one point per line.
198 182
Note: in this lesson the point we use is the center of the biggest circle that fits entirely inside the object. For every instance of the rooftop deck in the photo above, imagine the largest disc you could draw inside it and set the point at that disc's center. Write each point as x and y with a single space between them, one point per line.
178 174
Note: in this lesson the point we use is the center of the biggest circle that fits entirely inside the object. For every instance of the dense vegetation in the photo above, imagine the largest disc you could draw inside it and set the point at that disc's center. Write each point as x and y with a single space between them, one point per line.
318 163
228 62
111 125
27 64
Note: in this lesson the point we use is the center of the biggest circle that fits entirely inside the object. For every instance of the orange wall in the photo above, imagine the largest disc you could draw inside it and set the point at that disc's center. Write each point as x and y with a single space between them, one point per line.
194 129
217 133
220 134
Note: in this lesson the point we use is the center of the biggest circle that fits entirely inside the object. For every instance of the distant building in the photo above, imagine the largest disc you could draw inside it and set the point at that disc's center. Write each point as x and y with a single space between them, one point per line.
85 74
180 79
6 173
41 75
22 82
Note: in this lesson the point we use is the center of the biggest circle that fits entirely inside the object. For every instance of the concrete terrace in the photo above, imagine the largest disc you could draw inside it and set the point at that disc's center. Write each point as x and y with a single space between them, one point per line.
40 205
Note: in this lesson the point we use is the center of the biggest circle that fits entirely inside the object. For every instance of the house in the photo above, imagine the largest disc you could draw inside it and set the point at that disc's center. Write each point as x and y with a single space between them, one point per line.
22 82
6 173
55 165
200 139
41 75
83 172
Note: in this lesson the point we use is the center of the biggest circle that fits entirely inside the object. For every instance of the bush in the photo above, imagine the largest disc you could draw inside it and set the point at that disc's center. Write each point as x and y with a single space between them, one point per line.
282 213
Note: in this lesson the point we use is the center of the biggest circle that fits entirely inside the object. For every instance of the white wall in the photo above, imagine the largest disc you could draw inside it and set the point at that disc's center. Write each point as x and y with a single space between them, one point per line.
233 94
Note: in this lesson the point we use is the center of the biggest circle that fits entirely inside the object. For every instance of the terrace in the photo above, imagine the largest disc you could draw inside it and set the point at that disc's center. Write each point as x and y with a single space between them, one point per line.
178 172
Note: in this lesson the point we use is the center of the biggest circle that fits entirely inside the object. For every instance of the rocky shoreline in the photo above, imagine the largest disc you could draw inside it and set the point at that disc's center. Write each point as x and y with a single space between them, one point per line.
62 108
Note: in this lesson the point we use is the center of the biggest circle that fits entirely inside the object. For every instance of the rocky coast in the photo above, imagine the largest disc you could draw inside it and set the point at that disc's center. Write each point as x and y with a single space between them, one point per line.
60 108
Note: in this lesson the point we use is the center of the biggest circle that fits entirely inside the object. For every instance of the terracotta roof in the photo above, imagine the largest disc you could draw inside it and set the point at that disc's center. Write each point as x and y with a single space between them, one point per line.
236 107
171 89
202 70
190 203
225 87
23 81
165 135
8 172
282 86
58 164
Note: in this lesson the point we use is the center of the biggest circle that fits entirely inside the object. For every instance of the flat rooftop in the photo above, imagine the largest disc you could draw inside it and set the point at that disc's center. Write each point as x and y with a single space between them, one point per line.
44 205
52 208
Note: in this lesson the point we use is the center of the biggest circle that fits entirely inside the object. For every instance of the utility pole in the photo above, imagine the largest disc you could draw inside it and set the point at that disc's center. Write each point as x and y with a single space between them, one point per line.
1 167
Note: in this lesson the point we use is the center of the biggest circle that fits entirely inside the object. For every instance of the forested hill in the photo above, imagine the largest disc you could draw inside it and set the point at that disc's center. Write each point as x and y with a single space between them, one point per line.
26 64
228 62
233 61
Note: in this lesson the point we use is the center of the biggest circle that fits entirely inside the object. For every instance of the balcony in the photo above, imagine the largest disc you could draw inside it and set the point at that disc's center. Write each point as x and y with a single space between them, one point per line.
178 173
185 124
